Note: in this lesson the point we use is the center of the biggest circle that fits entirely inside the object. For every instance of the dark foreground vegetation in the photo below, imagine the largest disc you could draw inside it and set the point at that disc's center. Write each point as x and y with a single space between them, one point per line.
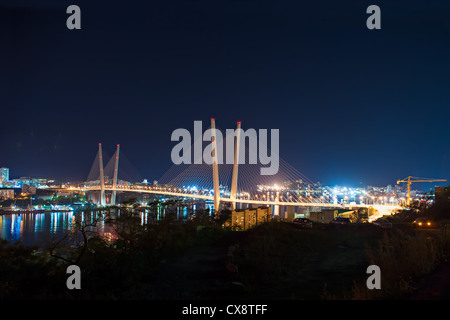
198 259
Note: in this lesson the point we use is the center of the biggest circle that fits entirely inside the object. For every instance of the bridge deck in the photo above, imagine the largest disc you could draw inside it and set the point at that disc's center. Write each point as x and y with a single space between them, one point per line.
248 201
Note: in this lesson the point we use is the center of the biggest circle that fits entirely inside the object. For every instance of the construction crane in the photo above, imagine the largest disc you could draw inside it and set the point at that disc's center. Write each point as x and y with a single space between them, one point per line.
410 179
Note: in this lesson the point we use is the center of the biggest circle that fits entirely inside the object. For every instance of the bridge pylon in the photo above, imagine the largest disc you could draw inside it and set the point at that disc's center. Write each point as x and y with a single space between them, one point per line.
235 165
102 176
116 170
215 166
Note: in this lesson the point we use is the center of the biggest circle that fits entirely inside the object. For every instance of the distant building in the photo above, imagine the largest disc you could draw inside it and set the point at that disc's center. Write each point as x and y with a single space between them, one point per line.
442 194
24 180
324 216
28 189
248 218
290 212
65 193
27 181
4 175
389 189
327 215
6 193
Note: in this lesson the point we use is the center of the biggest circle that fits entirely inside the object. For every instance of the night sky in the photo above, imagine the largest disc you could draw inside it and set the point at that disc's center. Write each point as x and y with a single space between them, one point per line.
353 106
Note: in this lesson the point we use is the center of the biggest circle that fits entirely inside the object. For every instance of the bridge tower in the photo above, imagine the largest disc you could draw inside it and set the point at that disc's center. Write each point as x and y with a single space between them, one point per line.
102 177
235 165
215 166
116 170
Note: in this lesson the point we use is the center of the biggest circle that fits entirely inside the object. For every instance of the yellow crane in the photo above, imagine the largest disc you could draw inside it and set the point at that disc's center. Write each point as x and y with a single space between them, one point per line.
410 179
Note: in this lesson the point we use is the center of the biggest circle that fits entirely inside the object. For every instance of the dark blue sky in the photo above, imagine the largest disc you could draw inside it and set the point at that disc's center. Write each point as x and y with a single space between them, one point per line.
353 105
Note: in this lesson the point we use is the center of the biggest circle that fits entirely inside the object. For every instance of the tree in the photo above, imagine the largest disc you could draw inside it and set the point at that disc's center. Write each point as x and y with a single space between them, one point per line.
70 247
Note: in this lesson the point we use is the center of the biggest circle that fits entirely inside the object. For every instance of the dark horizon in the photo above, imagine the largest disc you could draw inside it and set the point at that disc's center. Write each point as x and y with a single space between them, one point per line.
353 106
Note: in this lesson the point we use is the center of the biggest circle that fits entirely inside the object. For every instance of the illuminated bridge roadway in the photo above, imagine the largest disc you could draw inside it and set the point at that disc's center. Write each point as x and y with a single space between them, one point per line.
205 195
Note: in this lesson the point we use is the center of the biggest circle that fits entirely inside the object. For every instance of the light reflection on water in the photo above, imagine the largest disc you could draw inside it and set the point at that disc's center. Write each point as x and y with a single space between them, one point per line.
39 228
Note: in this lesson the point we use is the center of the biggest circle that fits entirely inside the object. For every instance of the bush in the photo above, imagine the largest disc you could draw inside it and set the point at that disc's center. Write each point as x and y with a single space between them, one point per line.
403 256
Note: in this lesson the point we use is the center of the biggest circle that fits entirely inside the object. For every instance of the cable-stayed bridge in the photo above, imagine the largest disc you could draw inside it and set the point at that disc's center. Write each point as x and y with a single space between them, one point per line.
233 182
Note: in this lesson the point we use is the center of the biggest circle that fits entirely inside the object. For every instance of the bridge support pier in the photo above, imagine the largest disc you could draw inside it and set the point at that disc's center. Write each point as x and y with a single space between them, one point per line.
276 208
